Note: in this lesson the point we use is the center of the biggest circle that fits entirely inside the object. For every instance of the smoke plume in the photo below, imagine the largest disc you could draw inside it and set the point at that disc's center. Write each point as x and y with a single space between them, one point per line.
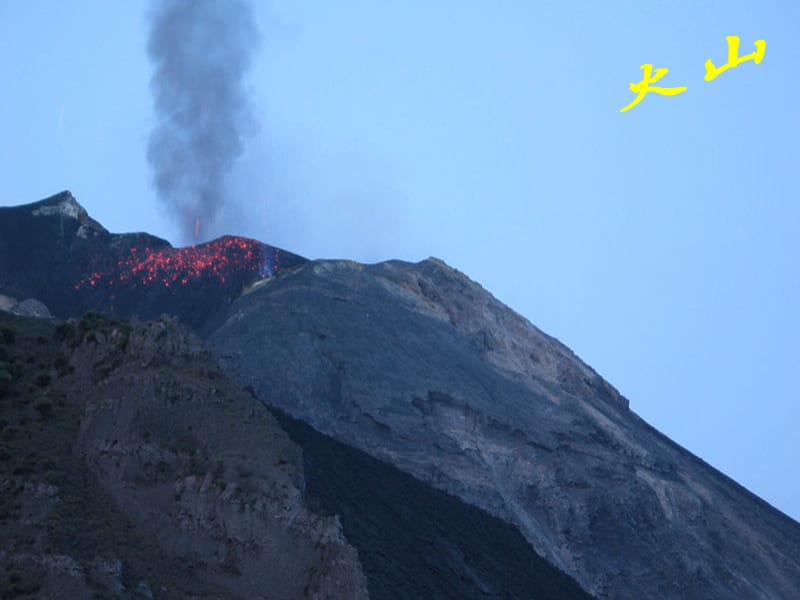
201 50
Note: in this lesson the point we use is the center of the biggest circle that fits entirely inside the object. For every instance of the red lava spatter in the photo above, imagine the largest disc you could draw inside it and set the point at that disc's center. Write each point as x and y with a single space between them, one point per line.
220 259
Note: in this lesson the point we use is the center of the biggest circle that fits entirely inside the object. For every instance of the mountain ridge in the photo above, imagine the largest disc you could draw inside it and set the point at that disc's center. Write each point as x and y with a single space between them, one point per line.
73 264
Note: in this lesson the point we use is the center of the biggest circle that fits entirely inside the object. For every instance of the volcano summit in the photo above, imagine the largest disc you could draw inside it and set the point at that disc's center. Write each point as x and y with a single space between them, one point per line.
53 251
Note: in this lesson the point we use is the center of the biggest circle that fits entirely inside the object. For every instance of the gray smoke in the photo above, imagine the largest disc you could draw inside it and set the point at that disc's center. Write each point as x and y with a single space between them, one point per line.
201 50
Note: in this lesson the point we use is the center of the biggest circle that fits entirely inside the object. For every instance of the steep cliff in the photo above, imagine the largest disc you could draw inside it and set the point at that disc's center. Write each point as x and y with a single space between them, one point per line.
132 467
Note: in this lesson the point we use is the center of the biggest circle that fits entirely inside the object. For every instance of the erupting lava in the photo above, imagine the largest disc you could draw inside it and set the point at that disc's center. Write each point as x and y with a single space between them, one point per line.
212 262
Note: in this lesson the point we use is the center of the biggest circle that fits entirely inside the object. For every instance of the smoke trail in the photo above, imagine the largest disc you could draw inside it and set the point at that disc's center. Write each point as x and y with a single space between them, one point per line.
201 50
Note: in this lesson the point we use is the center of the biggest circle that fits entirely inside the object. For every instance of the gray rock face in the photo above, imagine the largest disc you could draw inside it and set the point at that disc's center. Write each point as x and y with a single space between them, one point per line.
67 207
130 467
422 368
190 461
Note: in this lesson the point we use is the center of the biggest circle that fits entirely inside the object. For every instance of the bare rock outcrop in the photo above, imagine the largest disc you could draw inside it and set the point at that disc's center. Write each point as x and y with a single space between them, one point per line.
139 470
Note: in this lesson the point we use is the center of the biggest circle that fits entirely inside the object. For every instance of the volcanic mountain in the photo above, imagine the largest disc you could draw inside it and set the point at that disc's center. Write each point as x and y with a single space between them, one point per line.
393 370
53 251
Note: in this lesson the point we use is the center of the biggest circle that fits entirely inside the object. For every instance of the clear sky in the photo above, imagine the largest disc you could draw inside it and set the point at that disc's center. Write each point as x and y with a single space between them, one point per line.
660 244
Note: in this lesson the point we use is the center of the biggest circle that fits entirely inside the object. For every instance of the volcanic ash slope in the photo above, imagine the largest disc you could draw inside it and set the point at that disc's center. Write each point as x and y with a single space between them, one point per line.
420 367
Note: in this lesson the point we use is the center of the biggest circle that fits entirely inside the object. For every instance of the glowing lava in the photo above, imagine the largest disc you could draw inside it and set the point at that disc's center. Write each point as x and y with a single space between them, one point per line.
214 262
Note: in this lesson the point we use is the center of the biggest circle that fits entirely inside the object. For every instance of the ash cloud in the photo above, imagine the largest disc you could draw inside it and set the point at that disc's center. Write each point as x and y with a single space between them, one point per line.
201 50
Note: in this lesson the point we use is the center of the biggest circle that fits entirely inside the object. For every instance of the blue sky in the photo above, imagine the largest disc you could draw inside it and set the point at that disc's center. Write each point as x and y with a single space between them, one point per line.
660 244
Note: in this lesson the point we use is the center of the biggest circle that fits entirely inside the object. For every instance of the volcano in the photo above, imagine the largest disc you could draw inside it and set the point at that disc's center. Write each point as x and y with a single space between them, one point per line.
53 251
414 393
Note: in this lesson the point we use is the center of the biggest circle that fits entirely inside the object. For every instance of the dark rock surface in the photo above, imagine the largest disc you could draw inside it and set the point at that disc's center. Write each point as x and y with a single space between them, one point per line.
130 466
415 541
420 367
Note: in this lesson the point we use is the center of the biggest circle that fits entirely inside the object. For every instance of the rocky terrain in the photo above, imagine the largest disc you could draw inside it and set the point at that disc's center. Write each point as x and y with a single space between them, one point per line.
420 367
131 467
446 442
415 541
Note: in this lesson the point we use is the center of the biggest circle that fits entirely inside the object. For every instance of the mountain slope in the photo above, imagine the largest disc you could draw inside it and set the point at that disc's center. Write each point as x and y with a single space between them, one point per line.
149 473
131 467
415 541
420 367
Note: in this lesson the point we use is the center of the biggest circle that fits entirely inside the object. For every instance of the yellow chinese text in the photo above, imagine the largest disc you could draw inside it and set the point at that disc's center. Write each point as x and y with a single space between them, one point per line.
643 87
734 60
